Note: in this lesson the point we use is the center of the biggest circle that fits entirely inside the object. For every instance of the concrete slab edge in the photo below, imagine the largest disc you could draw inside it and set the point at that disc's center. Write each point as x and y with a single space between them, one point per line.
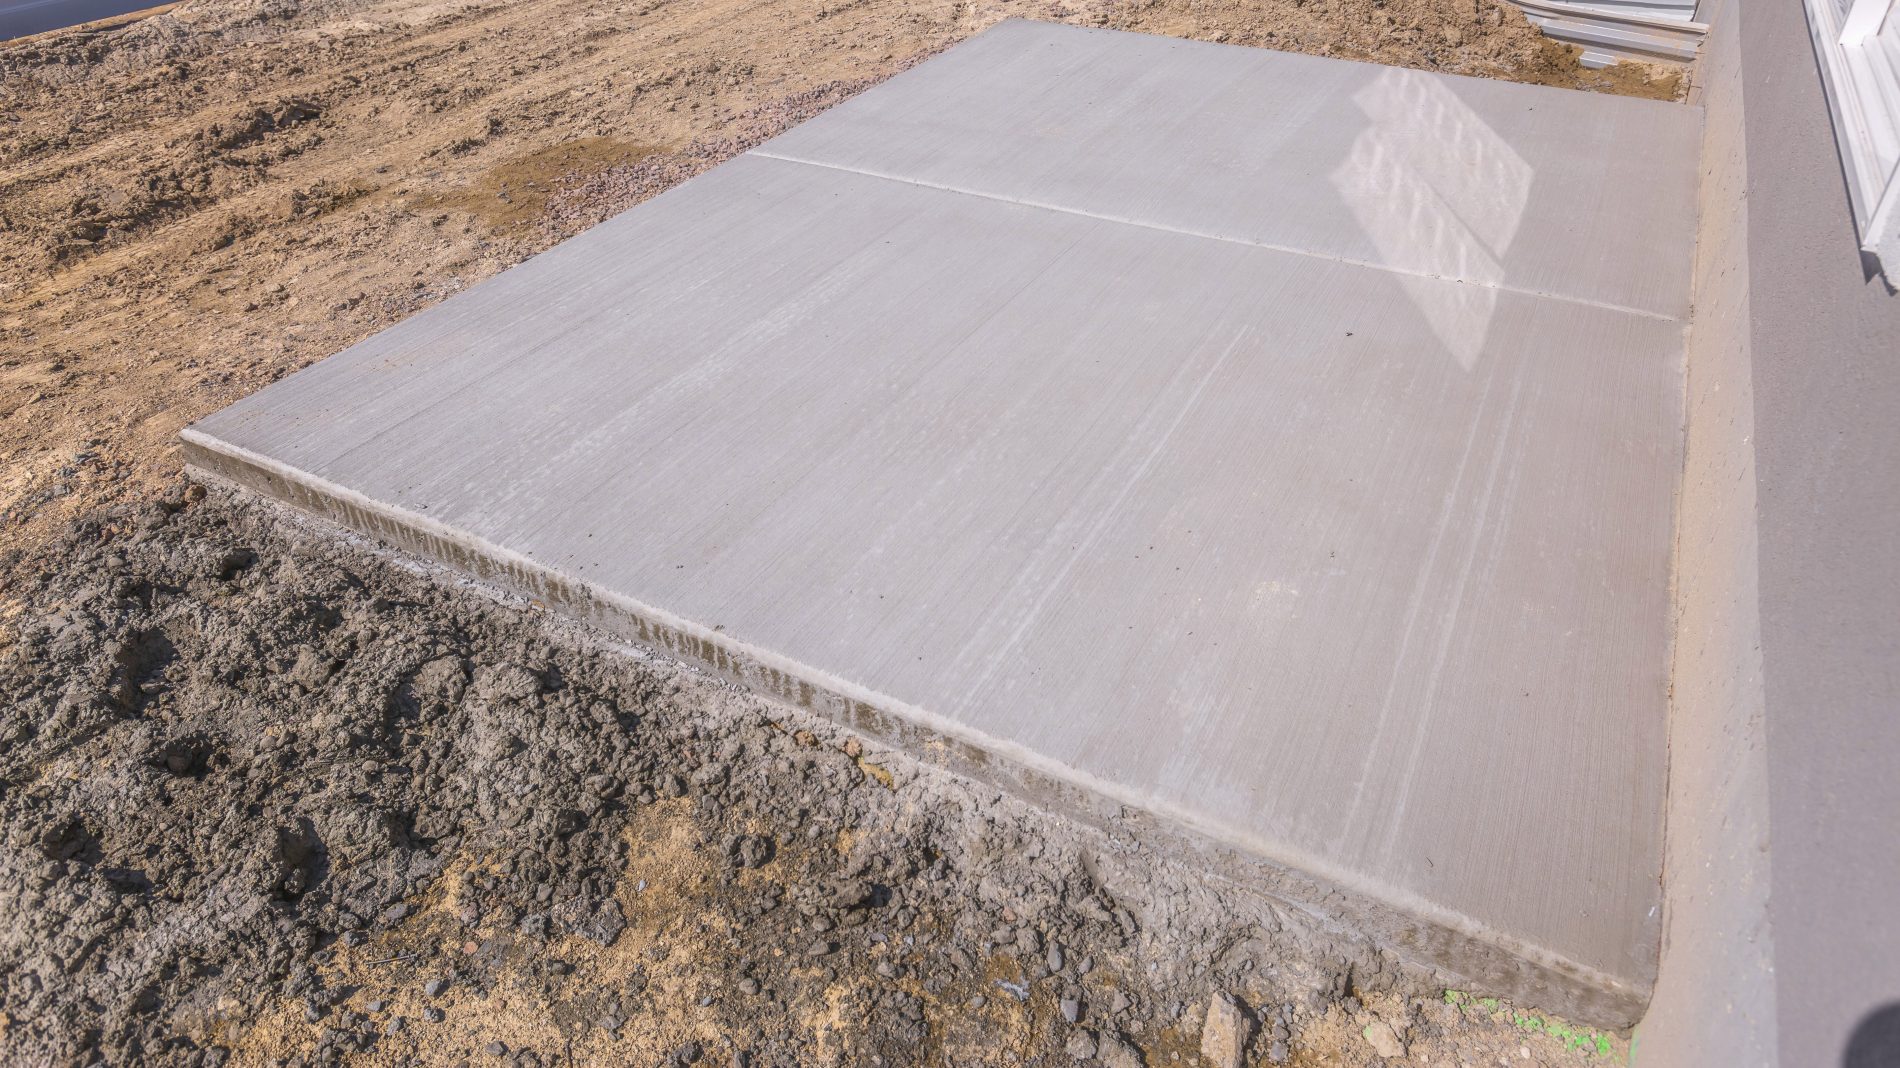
1465 952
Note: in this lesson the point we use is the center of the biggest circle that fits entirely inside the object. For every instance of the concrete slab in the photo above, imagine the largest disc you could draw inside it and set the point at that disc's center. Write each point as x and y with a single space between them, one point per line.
1551 191
1353 577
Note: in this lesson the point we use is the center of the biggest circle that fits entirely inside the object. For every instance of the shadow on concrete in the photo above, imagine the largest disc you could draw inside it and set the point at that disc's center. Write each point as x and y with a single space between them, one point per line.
1876 1039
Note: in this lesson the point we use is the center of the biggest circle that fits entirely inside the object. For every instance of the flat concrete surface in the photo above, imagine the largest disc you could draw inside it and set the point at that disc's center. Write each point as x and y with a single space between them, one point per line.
1548 191
1282 446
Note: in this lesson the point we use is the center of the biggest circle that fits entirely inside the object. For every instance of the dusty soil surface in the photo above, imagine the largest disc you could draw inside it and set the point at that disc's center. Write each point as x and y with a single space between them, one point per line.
266 797
269 797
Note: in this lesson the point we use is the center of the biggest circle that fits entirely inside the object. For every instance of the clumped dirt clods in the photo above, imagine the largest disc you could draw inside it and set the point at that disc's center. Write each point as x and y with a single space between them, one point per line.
268 797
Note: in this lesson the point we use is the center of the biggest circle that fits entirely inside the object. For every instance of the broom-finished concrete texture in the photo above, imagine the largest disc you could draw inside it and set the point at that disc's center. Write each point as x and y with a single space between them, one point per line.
1284 448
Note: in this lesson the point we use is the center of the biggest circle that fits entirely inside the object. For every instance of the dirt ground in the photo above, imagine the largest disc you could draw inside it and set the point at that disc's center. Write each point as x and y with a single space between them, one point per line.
267 797
258 788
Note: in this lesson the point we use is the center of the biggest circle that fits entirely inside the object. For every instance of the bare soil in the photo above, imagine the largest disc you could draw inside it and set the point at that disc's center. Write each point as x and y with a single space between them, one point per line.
260 786
270 797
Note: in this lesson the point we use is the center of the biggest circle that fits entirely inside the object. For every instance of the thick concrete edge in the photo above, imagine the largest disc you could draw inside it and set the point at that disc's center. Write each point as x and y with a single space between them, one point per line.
1784 946
1715 997
1781 943
1419 932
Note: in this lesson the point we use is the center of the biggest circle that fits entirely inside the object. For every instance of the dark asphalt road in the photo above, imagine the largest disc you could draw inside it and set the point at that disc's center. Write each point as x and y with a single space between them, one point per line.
21 17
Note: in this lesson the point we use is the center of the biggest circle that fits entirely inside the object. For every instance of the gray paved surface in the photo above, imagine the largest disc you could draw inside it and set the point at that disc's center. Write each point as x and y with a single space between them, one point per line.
19 18
1175 419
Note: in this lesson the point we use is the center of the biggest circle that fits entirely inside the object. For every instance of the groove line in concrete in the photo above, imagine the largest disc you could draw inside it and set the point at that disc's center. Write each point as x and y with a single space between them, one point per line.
1351 261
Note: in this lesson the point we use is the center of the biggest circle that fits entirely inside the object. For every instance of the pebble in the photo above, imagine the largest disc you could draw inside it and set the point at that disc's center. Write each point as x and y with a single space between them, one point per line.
1278 1052
432 1014
821 948
1224 1035
495 1049
1383 1040
435 987
1114 1052
1081 1045
1071 1009
979 1001
748 986
1055 957
374 1006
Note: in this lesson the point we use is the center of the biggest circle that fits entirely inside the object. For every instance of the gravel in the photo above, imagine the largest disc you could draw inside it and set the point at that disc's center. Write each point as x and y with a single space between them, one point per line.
1071 1009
